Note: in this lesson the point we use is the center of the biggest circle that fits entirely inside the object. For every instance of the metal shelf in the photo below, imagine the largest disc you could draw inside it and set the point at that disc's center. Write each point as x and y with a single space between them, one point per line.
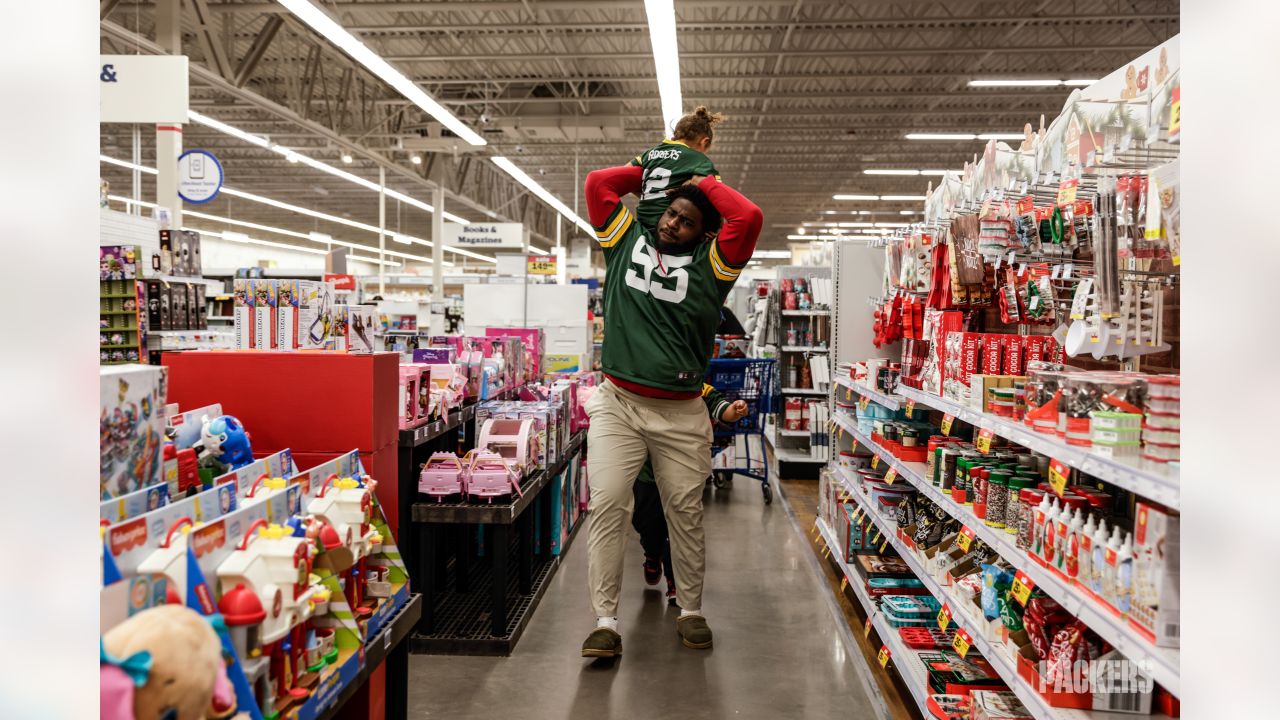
805 348
426 433
805 313
997 656
794 433
893 402
795 456
1165 663
1149 480
904 659
376 650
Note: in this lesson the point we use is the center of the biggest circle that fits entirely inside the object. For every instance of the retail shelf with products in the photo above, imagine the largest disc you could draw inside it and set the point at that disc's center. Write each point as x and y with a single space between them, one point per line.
426 433
1152 482
804 313
1164 663
796 456
999 658
794 433
893 402
805 348
906 662
803 391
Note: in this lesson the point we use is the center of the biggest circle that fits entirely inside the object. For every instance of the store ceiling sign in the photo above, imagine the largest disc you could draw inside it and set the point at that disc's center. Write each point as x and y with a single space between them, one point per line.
484 235
143 89
199 176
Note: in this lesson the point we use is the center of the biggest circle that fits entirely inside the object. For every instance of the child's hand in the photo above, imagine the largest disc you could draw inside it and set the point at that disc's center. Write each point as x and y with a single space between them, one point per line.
734 412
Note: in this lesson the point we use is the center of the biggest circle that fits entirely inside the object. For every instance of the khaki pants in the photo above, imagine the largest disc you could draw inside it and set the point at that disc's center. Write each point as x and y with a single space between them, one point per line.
676 435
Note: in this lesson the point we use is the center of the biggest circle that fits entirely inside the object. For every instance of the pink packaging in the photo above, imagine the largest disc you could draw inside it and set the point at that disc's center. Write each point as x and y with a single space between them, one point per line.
410 377
532 347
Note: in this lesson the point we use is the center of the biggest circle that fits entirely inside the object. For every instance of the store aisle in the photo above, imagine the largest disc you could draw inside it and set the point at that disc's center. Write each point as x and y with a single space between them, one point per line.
778 648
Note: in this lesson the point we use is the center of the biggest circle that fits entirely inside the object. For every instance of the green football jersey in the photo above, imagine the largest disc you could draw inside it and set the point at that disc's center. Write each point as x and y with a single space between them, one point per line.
661 310
667 167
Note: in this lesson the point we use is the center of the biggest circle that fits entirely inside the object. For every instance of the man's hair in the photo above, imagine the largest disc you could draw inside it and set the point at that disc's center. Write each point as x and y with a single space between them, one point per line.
696 124
710 216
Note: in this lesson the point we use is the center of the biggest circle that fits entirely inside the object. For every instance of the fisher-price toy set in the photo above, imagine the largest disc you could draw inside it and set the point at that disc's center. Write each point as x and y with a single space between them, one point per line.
295 571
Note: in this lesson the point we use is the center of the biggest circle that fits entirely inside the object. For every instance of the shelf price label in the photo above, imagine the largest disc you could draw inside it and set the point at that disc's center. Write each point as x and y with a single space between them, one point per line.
1026 204
891 476
1067 192
866 629
947 421
1059 472
1022 587
844 583
875 461
884 545
909 407
944 617
983 443
965 538
883 656
962 642
862 404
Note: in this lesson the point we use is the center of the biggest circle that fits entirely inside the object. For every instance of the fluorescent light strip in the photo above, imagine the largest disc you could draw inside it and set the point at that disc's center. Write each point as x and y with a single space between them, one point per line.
890 171
771 255
855 197
815 237
127 164
242 238
348 43
963 136
903 197
878 197
375 261
269 228
542 193
1029 83
666 59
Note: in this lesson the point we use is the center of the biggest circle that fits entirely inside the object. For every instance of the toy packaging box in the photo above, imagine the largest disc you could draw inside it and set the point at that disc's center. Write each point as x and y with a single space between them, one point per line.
410 377
532 345
195 291
118 262
564 363
243 312
157 306
287 314
360 325
337 339
131 426
315 314
1155 604
538 412
433 355
265 295
180 253
177 304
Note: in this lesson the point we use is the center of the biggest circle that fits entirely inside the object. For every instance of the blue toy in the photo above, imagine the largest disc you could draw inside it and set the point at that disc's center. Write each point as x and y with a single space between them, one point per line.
225 440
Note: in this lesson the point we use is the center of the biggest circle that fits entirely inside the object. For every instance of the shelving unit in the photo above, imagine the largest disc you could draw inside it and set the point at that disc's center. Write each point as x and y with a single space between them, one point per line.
893 402
962 617
805 313
1148 480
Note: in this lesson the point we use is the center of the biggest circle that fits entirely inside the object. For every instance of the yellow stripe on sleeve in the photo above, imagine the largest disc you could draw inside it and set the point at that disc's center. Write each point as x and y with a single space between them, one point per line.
617 219
618 233
722 269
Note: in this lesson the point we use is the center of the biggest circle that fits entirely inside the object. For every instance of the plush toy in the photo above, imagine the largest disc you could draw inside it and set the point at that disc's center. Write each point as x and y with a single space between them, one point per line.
164 663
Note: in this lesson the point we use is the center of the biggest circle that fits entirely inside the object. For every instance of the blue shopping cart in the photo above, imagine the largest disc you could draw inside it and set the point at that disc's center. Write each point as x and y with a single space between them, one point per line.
753 381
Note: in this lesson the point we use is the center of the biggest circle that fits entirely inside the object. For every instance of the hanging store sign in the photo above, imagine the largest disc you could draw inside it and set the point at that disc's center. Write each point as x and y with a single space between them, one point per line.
143 89
199 176
484 235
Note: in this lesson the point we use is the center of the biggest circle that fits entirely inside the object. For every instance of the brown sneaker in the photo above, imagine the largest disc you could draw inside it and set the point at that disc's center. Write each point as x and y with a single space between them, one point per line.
694 631
602 643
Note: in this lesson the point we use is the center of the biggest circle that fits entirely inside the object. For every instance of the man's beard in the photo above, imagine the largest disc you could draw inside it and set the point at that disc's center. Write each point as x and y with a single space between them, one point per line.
672 248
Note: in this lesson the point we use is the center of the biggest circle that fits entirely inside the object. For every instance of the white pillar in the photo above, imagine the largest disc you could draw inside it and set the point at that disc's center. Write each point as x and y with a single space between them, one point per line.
136 209
437 241
382 231
168 21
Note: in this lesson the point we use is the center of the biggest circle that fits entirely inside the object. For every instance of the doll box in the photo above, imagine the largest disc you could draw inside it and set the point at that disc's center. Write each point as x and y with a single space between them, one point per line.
131 428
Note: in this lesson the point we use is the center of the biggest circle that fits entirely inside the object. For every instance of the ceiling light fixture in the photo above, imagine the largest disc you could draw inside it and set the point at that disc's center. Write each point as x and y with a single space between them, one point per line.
415 159
346 159
903 197
963 136
815 237
375 261
1001 136
1029 83
666 59
855 197
890 171
542 193
243 238
321 22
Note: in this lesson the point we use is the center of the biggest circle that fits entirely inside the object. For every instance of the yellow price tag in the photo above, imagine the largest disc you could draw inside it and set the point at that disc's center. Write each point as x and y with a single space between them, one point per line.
965 538
891 476
883 657
962 642
875 461
983 443
1022 587
862 404
1059 472
844 583
909 407
947 420
944 617
866 629
884 545
1175 113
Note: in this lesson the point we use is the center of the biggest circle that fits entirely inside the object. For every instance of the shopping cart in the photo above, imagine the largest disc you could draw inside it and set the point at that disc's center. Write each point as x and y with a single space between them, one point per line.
732 450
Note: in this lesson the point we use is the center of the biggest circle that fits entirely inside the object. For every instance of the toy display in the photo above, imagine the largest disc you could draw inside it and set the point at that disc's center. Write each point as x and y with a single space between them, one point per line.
165 662
118 262
131 436
224 443
513 440
490 475
443 475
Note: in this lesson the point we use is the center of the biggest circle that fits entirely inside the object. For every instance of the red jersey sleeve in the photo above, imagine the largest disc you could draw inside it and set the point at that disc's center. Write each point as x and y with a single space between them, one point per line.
605 188
742 221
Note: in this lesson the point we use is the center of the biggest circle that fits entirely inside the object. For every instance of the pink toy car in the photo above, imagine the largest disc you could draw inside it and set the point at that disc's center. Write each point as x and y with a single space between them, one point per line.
489 475
443 475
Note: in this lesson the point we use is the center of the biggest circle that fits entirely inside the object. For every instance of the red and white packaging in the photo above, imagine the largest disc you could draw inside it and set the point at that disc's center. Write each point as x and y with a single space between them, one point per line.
992 345
794 414
1154 607
1013 346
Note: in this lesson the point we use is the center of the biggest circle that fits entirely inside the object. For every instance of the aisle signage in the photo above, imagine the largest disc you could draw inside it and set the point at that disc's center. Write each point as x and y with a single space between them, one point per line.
541 265
143 89
1058 474
199 176
483 235
947 420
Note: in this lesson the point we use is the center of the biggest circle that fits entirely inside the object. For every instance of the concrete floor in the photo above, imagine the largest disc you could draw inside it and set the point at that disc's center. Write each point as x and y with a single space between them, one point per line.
780 649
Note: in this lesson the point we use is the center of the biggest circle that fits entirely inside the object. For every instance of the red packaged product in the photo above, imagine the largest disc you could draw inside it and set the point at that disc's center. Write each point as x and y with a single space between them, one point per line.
992 345
1013 346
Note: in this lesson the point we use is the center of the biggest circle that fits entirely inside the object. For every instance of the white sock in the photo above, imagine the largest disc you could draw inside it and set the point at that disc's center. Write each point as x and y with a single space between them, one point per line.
687 613
607 622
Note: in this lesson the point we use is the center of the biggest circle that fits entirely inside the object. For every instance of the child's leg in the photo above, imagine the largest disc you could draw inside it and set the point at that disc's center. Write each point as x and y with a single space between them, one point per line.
648 520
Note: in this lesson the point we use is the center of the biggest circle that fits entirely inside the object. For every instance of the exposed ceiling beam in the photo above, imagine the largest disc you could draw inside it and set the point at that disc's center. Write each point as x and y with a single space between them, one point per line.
259 47
532 79
828 53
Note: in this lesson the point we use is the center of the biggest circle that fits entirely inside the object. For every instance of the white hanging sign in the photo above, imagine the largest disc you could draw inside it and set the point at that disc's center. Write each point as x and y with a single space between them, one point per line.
143 89
484 235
